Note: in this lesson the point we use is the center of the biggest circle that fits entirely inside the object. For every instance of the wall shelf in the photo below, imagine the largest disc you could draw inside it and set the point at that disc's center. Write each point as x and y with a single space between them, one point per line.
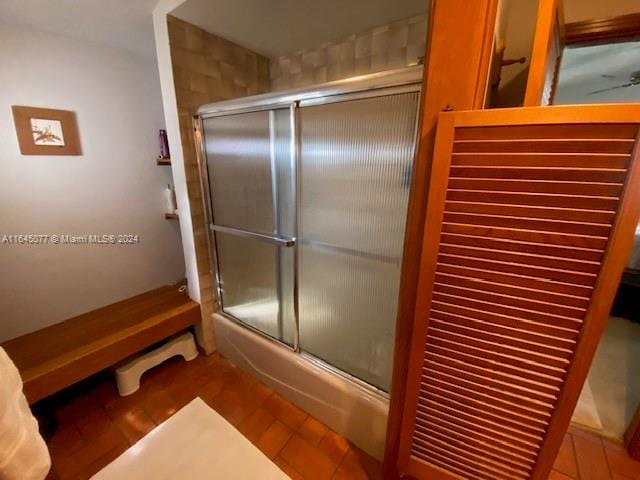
171 216
163 161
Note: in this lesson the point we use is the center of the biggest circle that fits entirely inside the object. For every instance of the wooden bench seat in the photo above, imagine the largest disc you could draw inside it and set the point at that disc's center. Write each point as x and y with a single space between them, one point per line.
60 355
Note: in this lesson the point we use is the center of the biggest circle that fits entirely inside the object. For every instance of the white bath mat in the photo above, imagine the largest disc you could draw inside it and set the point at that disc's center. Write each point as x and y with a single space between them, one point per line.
196 443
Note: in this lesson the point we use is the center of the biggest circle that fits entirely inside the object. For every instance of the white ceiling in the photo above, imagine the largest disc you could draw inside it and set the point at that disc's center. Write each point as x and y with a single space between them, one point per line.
278 27
593 68
125 24
578 10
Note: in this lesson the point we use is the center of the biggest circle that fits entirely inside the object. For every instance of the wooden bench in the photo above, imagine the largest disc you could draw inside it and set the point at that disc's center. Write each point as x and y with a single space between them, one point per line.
60 355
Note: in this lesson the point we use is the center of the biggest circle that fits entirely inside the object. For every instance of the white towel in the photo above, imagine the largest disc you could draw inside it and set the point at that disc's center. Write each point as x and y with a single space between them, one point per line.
23 453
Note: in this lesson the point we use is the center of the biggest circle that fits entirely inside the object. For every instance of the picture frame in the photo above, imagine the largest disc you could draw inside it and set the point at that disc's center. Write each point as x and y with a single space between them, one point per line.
46 131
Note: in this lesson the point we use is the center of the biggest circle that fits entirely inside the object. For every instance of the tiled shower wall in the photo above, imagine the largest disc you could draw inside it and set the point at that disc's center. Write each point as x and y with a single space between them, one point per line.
398 44
207 68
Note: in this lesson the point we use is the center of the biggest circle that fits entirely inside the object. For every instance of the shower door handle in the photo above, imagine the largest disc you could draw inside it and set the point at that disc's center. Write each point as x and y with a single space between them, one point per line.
279 241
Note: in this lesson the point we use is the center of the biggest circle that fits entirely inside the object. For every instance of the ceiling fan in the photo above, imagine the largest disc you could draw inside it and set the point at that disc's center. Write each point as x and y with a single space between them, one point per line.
634 79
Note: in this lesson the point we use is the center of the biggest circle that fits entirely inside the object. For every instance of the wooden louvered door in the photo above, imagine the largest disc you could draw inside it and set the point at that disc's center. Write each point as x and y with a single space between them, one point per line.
530 220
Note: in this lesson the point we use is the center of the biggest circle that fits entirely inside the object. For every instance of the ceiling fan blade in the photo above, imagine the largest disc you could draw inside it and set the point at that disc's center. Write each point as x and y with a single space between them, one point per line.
624 85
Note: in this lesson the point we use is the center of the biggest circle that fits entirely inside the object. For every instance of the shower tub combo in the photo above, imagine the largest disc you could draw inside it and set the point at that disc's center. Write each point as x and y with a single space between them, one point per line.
306 195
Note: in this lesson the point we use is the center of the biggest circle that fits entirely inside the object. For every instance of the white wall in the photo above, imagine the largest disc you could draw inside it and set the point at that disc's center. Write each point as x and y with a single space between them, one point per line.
113 188
163 56
578 10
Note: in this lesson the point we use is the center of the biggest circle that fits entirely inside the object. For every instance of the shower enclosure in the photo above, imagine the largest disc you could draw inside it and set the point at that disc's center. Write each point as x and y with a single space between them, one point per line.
306 197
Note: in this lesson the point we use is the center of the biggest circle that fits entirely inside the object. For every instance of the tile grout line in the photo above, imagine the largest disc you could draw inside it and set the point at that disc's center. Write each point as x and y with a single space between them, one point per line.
575 453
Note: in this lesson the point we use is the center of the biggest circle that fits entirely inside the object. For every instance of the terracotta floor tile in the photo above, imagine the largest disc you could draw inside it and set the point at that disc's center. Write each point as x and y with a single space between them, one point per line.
236 402
87 472
135 425
590 457
310 461
273 439
186 389
358 465
166 372
160 406
312 430
262 392
212 388
226 371
80 399
94 423
68 465
575 431
620 463
121 405
288 469
285 411
256 424
555 475
566 459
612 445
334 446
617 476
66 439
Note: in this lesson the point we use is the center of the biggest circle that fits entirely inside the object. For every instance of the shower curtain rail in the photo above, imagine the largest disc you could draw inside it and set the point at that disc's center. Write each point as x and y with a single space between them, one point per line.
279 241
283 99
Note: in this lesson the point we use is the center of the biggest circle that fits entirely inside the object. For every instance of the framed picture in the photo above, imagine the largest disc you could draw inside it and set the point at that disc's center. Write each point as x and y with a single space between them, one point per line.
46 131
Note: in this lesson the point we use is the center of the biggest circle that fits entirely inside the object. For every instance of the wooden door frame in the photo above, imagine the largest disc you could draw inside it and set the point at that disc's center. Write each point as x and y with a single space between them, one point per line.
607 30
460 44
550 15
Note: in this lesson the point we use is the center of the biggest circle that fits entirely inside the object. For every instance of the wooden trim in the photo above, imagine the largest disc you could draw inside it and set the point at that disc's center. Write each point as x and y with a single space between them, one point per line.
604 30
22 118
549 29
483 81
433 220
462 30
604 113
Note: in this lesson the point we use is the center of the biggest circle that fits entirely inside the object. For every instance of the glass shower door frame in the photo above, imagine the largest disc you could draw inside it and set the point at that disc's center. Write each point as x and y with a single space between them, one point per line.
276 240
409 80
301 240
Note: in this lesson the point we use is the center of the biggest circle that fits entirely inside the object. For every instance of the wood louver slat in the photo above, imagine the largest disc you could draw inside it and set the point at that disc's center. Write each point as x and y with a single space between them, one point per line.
517 264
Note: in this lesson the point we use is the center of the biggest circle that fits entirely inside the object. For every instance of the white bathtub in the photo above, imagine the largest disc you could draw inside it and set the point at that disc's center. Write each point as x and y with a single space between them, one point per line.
352 410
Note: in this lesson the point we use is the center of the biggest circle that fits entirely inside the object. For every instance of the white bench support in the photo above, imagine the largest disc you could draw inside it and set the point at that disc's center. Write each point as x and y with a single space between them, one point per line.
128 375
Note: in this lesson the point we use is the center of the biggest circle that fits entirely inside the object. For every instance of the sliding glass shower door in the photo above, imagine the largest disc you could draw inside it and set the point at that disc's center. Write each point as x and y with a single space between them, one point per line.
252 191
355 167
308 209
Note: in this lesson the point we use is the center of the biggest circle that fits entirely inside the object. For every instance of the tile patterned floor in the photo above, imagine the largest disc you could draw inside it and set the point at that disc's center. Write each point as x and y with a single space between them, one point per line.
584 456
96 426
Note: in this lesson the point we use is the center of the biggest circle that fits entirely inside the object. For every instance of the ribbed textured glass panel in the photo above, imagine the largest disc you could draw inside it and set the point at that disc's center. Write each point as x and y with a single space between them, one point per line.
355 172
250 169
248 274
238 151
